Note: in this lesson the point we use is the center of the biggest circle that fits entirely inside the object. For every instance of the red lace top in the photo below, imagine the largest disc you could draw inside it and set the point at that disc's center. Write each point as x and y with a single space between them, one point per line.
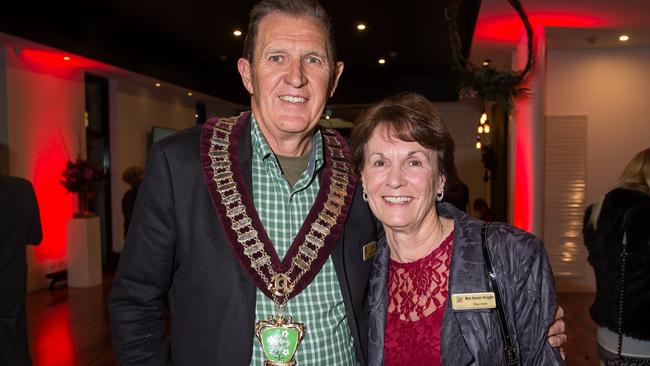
417 292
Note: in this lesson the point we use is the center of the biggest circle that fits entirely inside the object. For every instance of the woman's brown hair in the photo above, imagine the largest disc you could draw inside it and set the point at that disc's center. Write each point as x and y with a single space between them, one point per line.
408 117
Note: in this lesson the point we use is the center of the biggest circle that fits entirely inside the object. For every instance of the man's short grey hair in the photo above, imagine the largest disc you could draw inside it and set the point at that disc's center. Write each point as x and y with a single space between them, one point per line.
297 8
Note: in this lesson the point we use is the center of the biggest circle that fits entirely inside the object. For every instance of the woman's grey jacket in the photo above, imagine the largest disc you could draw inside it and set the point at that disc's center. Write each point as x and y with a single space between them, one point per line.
473 337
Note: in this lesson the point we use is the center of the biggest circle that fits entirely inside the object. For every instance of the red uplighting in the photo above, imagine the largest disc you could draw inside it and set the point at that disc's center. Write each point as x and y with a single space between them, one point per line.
508 28
54 202
525 178
54 344
49 136
57 63
522 206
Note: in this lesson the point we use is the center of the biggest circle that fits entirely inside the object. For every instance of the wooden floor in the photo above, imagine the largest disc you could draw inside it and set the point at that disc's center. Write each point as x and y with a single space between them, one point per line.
70 327
581 330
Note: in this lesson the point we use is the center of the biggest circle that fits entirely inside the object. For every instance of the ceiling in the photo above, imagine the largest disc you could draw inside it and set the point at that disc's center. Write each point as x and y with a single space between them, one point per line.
566 23
191 43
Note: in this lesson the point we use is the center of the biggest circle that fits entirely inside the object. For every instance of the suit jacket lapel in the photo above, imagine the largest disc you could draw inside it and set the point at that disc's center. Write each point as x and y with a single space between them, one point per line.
378 304
246 166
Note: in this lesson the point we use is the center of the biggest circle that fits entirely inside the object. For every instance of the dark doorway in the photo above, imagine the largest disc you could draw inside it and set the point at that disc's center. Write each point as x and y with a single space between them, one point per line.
498 161
98 149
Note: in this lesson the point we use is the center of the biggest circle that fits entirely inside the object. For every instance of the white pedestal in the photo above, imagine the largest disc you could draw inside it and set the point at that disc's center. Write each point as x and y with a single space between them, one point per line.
84 252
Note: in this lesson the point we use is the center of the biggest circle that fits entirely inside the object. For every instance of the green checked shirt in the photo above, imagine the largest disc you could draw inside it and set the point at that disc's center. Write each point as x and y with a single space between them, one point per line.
282 209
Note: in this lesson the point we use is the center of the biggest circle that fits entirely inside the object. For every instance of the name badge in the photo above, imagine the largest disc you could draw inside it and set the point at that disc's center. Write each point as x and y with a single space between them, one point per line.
472 301
369 250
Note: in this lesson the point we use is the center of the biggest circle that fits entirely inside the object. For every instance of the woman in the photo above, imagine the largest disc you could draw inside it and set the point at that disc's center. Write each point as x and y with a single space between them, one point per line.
603 233
432 251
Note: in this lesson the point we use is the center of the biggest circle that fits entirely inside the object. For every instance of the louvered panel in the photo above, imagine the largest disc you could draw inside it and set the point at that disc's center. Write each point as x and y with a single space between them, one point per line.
565 176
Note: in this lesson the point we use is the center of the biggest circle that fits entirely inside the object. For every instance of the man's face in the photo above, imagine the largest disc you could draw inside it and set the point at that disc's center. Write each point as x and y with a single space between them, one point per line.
290 78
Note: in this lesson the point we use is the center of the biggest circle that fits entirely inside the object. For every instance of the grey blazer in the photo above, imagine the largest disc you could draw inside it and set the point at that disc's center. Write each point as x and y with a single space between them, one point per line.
472 337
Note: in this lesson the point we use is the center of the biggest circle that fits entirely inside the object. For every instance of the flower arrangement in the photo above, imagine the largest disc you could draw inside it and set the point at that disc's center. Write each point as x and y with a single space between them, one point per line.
82 176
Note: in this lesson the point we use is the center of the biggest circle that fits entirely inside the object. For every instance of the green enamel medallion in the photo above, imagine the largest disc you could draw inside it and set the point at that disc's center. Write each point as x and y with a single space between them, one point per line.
279 343
280 338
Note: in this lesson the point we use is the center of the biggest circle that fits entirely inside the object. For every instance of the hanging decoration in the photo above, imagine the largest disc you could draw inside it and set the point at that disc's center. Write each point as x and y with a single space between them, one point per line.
485 81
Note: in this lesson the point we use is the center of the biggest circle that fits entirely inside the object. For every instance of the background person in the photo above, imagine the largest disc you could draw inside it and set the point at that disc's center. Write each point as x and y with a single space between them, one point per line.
603 232
483 210
20 224
457 193
432 251
133 177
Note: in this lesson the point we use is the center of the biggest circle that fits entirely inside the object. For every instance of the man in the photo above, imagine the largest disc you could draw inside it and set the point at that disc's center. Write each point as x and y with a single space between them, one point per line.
211 224
180 247
20 224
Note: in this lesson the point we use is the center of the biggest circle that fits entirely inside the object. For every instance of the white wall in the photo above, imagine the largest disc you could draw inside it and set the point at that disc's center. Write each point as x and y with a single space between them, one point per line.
134 109
611 86
44 112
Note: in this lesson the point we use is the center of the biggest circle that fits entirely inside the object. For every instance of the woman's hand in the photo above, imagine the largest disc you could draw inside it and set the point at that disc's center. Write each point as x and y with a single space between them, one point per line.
556 335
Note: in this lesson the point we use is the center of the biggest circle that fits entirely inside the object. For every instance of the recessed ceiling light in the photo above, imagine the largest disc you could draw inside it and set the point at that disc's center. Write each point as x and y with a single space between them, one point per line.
237 33
381 61
157 85
487 62
189 93
66 58
361 26
623 38
196 115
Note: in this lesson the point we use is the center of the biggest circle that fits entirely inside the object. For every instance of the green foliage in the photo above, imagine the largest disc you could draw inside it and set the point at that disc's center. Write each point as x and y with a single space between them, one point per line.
494 86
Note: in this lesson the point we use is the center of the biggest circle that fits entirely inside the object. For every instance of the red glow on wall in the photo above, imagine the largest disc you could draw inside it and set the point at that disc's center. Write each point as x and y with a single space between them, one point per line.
54 202
54 63
508 28
522 189
45 110
54 345
528 164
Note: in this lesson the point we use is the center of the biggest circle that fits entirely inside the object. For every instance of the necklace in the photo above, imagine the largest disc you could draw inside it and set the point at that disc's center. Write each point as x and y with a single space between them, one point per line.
280 336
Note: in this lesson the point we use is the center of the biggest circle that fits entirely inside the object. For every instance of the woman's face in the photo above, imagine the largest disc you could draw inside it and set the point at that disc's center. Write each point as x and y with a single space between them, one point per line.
401 180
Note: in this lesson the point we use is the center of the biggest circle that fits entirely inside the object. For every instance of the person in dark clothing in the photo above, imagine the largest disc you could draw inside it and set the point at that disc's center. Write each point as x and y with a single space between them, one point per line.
603 233
485 212
131 176
20 224
457 194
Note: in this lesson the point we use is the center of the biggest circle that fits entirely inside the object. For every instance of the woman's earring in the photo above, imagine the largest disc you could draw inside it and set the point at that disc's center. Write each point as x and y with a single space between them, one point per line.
365 196
439 196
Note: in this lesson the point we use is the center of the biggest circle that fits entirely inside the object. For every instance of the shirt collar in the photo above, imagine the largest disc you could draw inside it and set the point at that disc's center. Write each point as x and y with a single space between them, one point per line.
263 151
